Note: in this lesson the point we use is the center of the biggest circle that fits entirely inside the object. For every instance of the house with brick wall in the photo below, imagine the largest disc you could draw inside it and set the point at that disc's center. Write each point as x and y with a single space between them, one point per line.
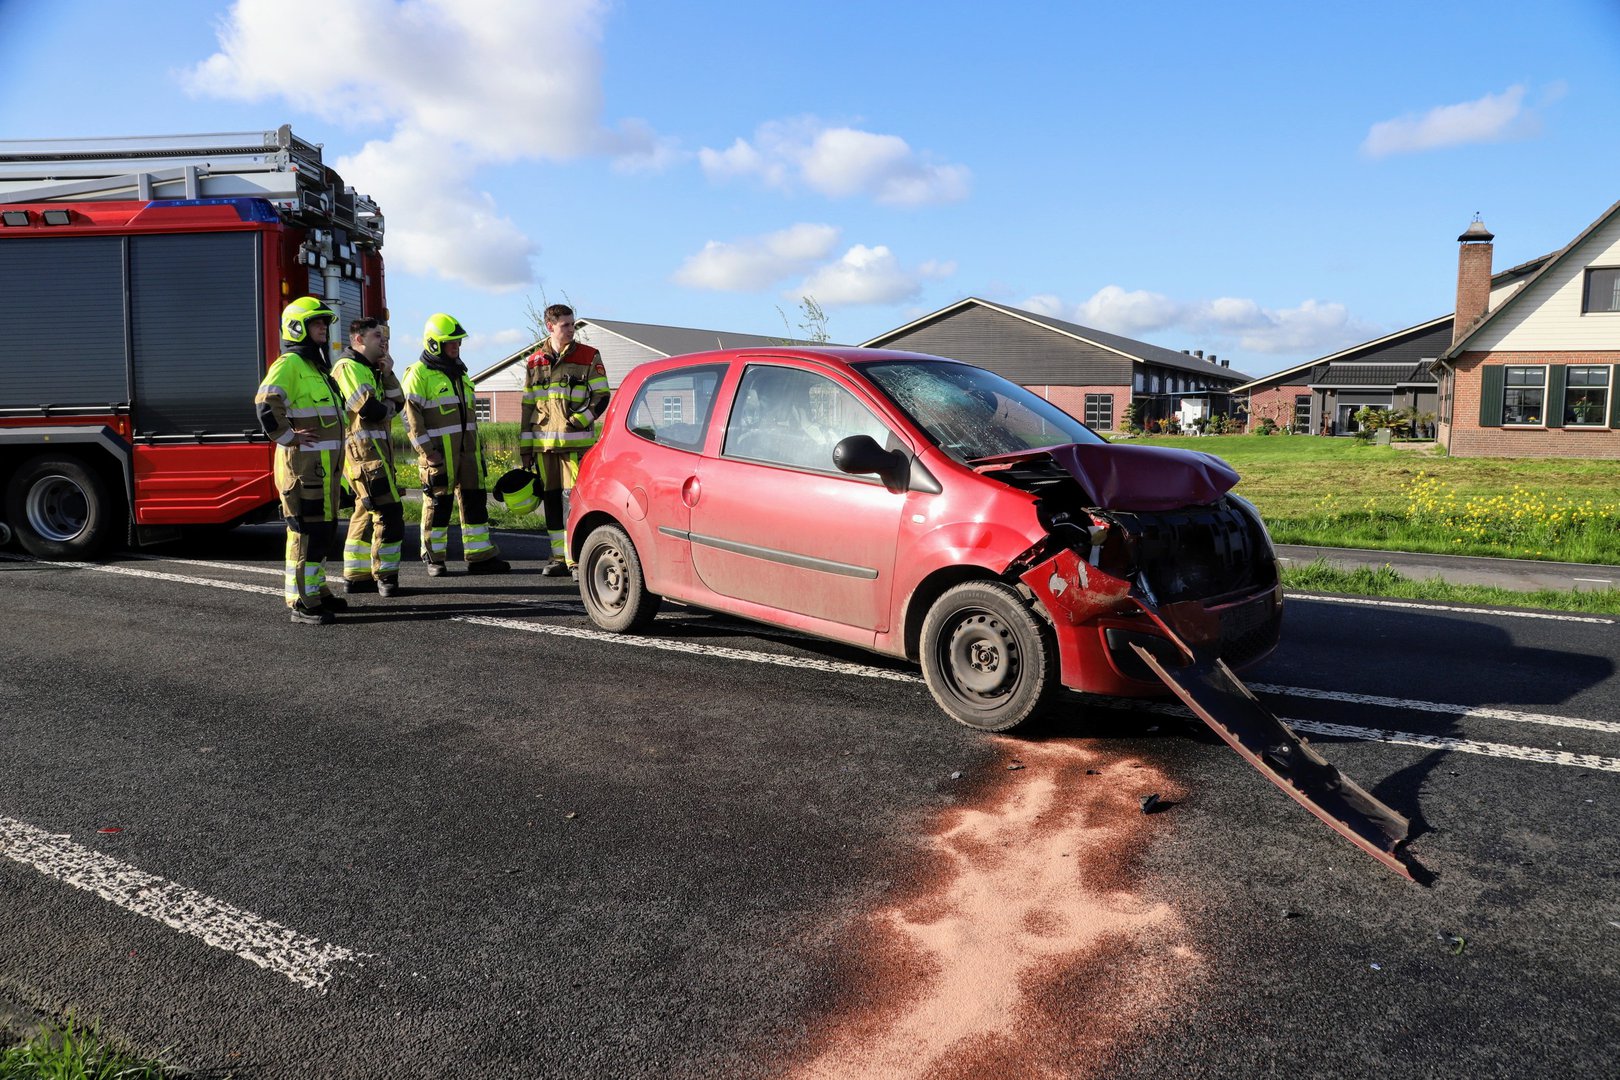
1536 375
1089 374
1393 372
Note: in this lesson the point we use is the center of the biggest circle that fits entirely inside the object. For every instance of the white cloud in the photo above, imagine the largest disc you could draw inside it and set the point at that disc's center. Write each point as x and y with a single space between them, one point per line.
865 275
839 162
1492 118
757 262
459 85
497 342
1311 328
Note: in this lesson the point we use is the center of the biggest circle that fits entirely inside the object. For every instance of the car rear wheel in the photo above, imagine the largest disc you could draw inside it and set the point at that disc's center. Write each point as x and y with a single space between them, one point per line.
987 658
611 582
60 509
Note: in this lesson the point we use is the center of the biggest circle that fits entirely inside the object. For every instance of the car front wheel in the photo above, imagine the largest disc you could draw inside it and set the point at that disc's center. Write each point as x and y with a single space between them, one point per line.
611 582
987 658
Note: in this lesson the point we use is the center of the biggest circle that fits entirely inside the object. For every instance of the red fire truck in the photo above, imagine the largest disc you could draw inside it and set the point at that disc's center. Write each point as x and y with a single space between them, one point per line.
141 286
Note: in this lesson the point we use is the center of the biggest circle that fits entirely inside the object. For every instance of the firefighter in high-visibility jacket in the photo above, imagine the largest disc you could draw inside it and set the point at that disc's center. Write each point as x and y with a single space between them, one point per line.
371 400
443 424
565 390
300 410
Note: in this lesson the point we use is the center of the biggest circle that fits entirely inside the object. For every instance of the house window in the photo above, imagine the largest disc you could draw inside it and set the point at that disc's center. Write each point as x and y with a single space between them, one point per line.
1602 289
1586 396
1524 391
481 409
1100 411
673 413
1302 412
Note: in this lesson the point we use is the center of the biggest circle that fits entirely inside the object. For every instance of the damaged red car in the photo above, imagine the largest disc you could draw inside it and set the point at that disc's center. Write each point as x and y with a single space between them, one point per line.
921 508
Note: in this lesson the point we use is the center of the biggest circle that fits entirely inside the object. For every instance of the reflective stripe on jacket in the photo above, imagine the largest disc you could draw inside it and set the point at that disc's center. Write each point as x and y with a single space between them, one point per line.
443 424
562 398
295 394
368 440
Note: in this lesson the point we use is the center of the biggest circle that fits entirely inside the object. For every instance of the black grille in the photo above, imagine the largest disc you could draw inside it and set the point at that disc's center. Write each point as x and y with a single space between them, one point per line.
1249 630
1197 553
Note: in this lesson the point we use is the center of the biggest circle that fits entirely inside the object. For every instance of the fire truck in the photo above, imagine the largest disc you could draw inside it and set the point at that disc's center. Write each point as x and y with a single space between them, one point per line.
141 286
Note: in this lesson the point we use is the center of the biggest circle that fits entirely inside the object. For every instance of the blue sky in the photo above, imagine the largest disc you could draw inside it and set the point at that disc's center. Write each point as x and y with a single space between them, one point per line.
1269 182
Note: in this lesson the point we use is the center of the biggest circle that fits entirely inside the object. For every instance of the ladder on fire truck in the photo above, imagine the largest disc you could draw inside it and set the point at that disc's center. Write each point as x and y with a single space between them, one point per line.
276 166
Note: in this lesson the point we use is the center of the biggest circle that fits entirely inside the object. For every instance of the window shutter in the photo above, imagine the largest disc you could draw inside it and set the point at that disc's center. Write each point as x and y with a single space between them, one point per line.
1557 374
1490 395
1614 396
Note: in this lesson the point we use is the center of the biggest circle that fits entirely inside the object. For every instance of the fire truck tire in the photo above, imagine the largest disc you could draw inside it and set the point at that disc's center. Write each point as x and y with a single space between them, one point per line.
611 582
988 660
61 509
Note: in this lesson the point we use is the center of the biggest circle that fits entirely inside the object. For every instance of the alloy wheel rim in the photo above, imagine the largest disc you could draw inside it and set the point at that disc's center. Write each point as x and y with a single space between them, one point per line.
57 509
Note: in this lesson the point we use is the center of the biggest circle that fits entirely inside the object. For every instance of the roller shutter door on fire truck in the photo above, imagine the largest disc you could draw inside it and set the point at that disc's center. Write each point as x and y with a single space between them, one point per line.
196 328
186 335
62 307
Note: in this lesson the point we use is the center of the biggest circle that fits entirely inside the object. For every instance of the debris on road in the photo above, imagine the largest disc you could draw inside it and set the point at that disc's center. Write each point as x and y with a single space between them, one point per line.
1454 943
571 815
1150 803
956 776
1014 767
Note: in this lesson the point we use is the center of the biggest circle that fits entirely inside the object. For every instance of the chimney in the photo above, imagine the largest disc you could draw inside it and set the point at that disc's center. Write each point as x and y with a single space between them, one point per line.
1473 278
1198 353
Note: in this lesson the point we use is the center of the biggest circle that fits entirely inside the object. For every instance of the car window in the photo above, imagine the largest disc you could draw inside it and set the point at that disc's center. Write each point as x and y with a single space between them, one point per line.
972 413
785 416
672 408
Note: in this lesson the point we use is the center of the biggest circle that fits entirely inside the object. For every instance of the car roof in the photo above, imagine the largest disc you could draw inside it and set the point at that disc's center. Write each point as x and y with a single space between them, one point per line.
840 356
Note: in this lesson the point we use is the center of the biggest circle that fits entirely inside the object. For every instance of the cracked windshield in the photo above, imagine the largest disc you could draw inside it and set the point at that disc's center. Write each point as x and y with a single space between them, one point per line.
971 413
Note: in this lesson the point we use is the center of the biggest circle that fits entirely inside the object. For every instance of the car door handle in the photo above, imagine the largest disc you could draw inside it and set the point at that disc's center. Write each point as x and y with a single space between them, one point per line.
690 491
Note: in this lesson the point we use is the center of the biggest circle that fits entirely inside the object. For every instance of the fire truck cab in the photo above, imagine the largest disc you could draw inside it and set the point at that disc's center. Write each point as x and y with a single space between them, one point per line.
141 283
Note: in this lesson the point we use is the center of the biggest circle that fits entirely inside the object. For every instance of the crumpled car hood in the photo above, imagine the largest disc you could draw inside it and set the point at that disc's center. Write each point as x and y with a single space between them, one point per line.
1141 478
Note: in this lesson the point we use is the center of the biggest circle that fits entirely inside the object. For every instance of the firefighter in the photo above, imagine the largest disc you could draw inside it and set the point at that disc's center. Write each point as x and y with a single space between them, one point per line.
565 391
300 409
443 426
371 400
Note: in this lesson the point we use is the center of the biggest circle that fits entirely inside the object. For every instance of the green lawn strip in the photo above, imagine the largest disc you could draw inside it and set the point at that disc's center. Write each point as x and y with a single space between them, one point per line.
71 1052
1384 581
1344 493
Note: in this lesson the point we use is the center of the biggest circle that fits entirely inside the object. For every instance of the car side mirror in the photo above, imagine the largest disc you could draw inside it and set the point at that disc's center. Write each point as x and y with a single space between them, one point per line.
860 454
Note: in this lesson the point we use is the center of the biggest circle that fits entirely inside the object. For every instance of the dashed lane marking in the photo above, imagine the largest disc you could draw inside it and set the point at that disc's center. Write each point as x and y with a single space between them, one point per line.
1522 753
1399 738
1362 601
1466 711
307 961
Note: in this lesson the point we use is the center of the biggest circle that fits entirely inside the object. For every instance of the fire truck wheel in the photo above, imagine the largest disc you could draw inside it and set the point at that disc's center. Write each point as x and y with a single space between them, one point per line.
611 582
989 661
60 509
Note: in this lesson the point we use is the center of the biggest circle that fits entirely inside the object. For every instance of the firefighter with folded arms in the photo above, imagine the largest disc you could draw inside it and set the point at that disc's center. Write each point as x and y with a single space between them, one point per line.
371 400
443 425
300 409
565 391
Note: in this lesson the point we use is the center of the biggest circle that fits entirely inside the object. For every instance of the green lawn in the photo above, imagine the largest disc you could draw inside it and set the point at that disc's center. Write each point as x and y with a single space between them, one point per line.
1344 493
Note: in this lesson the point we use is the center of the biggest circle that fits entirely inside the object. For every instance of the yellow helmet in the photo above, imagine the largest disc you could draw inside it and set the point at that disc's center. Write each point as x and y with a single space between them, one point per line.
440 329
297 314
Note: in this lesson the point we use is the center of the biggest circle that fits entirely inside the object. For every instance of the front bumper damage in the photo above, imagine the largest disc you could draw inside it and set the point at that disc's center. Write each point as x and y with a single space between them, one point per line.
1183 650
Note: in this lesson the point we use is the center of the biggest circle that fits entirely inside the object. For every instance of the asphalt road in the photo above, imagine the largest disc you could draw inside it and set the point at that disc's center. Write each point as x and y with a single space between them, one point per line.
459 834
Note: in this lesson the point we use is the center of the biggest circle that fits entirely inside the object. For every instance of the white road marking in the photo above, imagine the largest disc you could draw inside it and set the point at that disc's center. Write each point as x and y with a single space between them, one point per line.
130 571
305 960
1522 753
273 571
1399 738
667 645
1361 601
1465 746
1467 711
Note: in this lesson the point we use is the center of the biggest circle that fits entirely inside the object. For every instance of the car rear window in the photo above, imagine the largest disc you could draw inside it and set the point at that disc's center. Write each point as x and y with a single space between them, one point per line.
673 407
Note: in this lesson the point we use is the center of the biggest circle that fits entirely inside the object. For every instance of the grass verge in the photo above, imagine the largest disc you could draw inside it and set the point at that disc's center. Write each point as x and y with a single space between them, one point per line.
74 1052
1383 581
